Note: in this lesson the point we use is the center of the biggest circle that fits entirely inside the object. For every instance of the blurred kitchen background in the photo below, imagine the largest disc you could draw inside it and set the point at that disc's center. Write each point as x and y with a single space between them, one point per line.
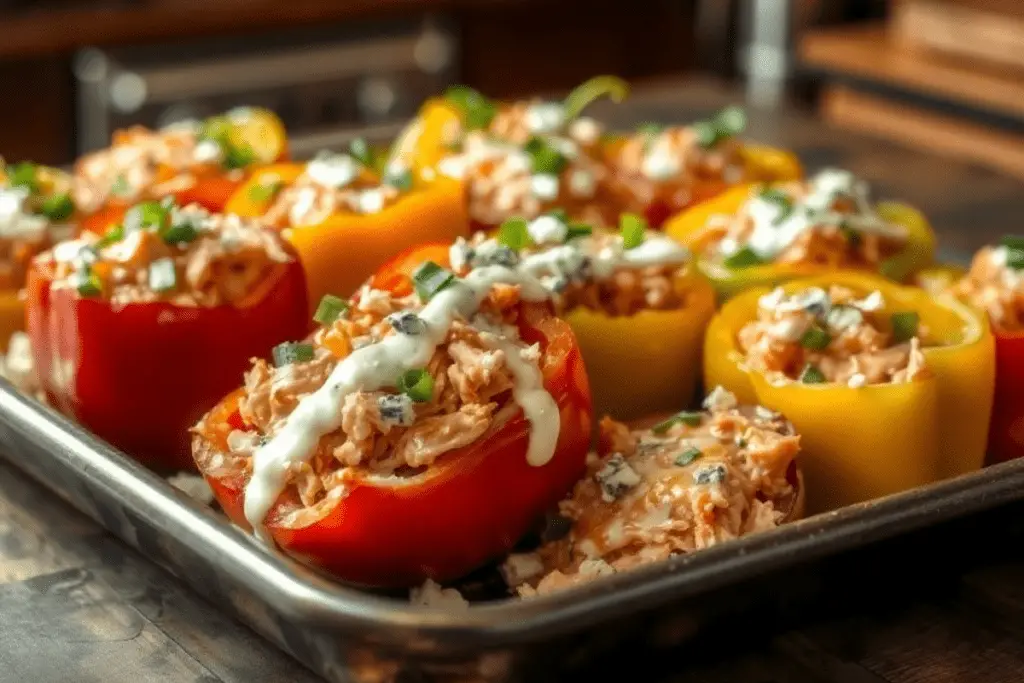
945 75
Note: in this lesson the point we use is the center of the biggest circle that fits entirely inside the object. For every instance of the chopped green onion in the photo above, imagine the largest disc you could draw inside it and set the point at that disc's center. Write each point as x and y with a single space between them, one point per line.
264 192
361 151
146 215
287 353
88 284
430 278
904 326
812 375
236 157
162 275
23 175
687 456
577 230
477 110
727 123
217 129
560 215
1015 259
543 157
514 234
58 207
742 258
685 417
815 339
120 187
1012 242
587 92
774 195
417 385
400 179
707 136
113 234
330 309
180 233
633 229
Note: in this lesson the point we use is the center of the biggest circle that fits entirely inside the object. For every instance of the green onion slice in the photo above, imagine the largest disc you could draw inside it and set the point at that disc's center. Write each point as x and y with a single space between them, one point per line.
180 233
543 157
88 284
904 326
236 157
330 309
417 385
264 192
146 215
1012 241
685 417
430 278
812 375
633 229
577 230
477 110
400 179
1015 259
687 456
727 123
815 339
589 91
121 187
514 234
361 151
287 353
59 207
162 275
774 195
23 174
742 258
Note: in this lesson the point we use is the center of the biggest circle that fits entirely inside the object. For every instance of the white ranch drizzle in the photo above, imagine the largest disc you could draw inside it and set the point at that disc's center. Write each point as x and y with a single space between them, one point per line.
16 221
373 367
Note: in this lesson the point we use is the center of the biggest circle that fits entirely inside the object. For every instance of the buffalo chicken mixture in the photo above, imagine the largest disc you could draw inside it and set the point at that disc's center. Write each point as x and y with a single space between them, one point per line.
463 393
163 252
618 273
35 212
815 336
827 221
995 283
693 481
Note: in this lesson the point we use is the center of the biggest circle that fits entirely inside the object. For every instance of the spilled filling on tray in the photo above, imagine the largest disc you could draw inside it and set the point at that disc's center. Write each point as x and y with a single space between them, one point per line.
163 252
693 481
619 273
815 336
827 221
995 283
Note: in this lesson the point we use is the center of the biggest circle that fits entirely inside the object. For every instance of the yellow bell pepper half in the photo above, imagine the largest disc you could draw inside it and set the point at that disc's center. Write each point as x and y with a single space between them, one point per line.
688 227
647 362
340 253
426 140
859 444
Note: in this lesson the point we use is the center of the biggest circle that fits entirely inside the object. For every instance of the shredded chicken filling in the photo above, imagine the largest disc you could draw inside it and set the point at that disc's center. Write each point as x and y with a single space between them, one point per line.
994 285
310 202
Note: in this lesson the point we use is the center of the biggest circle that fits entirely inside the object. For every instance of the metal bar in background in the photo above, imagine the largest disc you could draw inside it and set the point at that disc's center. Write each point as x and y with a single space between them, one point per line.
765 52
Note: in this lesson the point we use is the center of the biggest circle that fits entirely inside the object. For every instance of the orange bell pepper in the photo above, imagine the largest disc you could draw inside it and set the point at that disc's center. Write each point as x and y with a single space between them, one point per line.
340 253
689 228
862 443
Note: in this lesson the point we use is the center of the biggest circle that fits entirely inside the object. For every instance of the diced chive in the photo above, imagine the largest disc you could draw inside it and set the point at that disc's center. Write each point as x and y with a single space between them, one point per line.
216 129
430 278
264 192
120 187
146 215
114 234
780 199
162 275
904 326
88 284
587 92
361 151
633 229
543 157
236 156
727 123
1013 242
815 339
401 180
577 230
1015 259
812 375
417 385
685 417
180 233
705 133
514 234
559 215
742 258
58 207
23 175
477 110
287 353
330 309
687 456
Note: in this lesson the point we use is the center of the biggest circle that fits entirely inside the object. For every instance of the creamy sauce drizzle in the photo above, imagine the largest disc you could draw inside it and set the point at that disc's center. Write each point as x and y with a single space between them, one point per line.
16 221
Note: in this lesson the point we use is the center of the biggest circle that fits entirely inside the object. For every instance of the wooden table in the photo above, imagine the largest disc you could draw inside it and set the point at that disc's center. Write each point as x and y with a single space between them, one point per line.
78 605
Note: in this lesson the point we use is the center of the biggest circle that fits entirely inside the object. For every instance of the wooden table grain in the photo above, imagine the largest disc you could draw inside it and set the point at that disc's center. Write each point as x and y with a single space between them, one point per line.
78 605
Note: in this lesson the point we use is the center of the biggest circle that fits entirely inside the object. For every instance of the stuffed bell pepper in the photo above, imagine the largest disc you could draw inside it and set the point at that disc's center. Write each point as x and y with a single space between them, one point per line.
687 483
636 305
995 285
193 161
415 435
889 386
344 219
138 333
446 124
764 235
36 211
659 171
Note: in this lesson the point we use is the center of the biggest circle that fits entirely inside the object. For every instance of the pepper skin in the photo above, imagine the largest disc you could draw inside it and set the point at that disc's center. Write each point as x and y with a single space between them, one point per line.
859 444
341 252
468 507
140 374
1006 433
688 228
426 140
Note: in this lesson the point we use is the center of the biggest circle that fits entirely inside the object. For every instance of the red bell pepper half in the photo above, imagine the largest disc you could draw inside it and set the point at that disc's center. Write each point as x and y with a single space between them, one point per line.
1006 434
465 509
139 375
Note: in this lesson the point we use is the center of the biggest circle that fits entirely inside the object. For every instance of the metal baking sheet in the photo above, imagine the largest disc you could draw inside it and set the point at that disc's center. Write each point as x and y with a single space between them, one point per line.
346 634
